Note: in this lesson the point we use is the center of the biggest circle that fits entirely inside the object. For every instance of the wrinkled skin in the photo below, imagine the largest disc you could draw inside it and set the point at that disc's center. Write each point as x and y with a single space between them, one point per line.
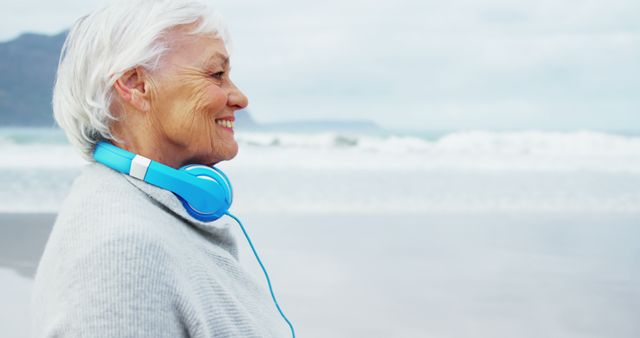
168 114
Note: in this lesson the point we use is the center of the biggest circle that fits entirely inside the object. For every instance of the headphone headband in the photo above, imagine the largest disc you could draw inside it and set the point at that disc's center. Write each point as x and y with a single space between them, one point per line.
205 192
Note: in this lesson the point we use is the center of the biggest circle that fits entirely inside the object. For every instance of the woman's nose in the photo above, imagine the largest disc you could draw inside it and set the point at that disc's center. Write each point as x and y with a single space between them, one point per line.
237 98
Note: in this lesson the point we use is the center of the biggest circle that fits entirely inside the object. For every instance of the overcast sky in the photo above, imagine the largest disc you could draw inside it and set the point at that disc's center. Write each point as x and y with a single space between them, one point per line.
420 64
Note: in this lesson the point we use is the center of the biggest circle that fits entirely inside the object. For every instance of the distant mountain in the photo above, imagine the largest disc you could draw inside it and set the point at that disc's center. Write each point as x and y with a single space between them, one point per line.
244 120
27 73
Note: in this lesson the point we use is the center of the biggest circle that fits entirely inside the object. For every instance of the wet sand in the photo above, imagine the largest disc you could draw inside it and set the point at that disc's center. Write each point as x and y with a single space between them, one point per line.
442 275
22 240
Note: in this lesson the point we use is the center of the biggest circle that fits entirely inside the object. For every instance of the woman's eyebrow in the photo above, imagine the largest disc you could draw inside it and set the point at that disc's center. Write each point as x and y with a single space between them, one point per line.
222 58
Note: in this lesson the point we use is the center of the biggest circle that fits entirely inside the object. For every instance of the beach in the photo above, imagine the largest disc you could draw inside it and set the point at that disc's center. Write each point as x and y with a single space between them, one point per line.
22 240
415 275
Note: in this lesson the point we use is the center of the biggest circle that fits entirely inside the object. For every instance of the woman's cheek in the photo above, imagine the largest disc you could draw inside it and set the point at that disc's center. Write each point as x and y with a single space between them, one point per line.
217 99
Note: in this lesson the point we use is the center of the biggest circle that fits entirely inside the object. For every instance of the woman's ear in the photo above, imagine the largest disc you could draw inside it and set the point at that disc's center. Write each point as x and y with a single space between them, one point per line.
133 89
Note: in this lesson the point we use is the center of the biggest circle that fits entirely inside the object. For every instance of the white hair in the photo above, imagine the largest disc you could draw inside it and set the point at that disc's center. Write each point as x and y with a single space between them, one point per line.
103 45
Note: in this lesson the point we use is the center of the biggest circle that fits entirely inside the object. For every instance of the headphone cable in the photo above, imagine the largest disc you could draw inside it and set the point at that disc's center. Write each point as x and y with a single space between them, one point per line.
264 270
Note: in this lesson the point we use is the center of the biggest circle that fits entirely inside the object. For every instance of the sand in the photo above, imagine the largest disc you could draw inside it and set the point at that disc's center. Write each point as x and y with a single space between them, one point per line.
418 275
22 240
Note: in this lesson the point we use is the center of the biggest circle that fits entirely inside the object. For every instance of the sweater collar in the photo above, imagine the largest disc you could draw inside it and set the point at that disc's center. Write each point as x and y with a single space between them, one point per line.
171 202
217 230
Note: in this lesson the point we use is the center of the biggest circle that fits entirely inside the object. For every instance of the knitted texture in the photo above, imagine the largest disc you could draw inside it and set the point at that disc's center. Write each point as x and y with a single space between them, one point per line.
124 259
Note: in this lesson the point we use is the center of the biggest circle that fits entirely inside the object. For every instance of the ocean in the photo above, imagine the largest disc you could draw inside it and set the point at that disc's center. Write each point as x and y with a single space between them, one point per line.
459 234
341 172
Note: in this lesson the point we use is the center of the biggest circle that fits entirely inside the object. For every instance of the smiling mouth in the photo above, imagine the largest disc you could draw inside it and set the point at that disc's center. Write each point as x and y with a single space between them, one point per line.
227 124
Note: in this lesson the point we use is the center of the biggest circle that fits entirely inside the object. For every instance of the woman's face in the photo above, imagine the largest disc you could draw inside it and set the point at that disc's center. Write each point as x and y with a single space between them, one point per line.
193 102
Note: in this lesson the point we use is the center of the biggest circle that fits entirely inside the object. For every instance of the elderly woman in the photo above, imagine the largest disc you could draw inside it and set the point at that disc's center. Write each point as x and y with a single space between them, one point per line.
143 90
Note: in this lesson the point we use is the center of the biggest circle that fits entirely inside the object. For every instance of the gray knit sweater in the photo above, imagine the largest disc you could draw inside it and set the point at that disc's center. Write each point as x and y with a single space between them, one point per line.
124 259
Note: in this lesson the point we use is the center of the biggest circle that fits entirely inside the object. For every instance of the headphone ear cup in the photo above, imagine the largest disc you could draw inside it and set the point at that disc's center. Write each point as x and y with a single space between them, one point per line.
211 174
226 183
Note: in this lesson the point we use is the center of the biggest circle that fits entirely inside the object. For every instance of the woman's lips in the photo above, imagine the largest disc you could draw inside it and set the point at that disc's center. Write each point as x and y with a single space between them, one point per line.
226 122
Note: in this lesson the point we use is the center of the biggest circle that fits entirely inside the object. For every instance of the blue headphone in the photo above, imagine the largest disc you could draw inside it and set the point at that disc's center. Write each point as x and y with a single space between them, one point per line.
204 191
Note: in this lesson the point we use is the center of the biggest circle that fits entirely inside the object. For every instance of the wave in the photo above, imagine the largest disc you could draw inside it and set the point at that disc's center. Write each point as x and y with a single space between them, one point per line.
485 142
519 142
485 150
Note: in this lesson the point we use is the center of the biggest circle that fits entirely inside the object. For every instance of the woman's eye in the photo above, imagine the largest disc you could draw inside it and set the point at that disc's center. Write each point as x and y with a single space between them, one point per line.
218 75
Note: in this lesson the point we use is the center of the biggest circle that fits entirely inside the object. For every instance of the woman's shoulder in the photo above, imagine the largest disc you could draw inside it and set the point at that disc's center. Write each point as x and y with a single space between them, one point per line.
100 257
98 189
104 219
102 206
100 194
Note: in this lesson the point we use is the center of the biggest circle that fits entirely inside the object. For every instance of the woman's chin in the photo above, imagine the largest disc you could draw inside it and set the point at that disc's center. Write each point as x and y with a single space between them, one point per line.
227 154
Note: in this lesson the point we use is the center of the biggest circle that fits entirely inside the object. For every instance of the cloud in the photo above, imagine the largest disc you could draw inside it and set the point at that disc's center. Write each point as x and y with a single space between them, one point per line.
415 64
516 65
